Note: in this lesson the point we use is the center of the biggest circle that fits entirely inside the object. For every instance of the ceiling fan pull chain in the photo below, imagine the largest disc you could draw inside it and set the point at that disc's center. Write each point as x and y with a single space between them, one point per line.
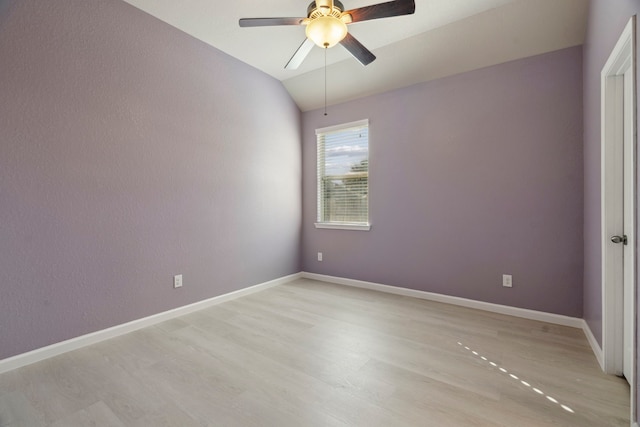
325 80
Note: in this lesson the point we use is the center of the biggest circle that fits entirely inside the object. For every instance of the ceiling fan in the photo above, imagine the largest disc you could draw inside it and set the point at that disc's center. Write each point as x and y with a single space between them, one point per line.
326 23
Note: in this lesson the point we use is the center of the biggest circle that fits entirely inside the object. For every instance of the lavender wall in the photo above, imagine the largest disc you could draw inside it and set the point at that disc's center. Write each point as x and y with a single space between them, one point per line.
130 152
472 176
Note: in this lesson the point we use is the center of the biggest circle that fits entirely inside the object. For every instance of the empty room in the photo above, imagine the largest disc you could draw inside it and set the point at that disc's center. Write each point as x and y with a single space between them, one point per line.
318 213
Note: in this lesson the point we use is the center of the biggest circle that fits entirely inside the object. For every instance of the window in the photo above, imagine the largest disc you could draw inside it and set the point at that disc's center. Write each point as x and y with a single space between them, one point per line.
343 176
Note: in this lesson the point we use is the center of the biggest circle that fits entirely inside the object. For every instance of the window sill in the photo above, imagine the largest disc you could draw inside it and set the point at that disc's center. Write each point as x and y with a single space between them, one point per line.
343 226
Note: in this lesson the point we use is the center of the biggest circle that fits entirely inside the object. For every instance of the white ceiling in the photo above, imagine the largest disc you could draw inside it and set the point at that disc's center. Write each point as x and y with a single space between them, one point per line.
443 37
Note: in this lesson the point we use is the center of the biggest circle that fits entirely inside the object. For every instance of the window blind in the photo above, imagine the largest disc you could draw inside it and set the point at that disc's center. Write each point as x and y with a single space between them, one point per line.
343 173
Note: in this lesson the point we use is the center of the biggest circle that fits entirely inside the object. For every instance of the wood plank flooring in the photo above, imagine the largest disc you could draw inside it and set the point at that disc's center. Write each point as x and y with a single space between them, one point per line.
315 354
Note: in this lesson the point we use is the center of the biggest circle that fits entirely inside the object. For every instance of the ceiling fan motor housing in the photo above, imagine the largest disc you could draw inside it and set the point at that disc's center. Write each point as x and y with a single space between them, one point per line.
336 5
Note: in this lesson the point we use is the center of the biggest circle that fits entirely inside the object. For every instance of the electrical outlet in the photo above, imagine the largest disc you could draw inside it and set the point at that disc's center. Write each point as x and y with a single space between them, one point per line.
177 281
319 256
507 280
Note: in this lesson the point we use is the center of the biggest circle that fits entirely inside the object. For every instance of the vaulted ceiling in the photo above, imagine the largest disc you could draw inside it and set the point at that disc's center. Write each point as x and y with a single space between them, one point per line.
443 37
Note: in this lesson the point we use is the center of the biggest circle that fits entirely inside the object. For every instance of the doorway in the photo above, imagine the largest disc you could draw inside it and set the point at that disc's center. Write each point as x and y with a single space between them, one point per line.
619 210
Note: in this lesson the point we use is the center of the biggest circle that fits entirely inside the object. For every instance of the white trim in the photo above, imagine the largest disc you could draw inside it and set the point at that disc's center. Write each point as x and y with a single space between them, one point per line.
43 353
524 313
342 226
595 347
343 126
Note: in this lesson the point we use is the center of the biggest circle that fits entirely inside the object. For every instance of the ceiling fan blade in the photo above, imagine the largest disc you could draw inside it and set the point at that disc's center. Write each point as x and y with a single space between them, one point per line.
300 55
383 10
268 22
361 53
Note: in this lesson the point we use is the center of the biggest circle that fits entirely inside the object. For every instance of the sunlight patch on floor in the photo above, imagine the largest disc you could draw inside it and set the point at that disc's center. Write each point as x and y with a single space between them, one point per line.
516 378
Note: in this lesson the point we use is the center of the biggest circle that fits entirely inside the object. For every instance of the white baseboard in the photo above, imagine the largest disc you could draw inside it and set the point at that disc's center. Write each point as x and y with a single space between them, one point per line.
595 347
43 353
556 319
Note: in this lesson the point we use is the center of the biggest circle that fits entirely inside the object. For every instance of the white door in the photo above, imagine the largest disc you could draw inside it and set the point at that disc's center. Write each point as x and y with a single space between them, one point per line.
619 211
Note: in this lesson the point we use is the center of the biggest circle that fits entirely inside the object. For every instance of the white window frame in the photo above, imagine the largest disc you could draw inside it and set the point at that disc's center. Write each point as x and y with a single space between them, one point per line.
340 225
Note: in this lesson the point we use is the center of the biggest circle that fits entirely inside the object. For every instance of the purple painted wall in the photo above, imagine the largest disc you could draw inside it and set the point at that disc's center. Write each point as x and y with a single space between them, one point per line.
130 152
472 176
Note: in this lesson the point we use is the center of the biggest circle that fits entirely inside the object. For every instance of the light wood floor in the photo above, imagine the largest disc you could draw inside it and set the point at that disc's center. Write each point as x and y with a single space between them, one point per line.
316 354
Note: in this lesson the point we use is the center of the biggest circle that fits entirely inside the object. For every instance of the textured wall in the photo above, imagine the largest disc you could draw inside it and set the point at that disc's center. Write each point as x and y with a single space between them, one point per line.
472 176
130 152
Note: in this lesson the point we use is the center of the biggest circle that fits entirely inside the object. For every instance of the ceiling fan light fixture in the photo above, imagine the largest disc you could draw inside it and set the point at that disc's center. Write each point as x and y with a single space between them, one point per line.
327 22
326 31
